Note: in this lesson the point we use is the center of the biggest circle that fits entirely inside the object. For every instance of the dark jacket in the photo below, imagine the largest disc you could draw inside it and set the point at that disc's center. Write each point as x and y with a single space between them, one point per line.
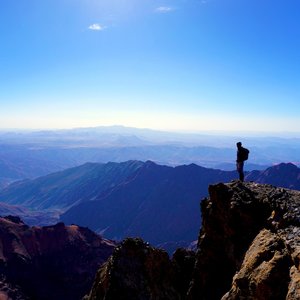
241 154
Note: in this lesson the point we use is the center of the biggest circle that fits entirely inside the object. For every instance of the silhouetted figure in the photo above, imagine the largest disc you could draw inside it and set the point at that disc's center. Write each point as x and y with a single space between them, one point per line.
242 155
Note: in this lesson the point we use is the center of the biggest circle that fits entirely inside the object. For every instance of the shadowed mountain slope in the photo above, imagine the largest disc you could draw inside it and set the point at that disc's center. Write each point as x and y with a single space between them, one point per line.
54 262
66 188
159 204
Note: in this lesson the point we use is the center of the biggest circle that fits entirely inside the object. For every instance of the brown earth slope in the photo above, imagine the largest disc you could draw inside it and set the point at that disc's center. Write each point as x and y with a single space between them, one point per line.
53 262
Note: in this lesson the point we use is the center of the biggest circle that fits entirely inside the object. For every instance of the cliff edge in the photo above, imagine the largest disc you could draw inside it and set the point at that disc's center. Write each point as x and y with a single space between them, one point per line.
248 248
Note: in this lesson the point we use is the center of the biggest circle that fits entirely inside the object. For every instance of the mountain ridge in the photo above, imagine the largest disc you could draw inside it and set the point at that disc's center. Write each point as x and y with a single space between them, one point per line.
283 175
31 154
134 198
34 191
151 204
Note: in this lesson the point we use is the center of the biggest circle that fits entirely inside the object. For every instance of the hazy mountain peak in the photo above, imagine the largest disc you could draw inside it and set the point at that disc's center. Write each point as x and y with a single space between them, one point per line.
285 167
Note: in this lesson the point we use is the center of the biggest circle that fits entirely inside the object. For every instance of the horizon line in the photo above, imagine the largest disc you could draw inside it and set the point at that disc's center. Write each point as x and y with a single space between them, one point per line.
173 131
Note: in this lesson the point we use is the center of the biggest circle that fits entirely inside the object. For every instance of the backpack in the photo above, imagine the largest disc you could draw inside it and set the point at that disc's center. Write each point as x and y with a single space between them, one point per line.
244 154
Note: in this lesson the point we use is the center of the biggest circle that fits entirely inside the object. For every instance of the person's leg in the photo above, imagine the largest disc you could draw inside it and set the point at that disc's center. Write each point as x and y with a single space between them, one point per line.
242 175
240 169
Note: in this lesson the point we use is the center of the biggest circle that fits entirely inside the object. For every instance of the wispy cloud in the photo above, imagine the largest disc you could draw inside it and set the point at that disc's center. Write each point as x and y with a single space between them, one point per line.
96 27
164 9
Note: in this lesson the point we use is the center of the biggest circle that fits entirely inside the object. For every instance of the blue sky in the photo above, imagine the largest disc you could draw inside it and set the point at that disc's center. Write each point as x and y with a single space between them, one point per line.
172 64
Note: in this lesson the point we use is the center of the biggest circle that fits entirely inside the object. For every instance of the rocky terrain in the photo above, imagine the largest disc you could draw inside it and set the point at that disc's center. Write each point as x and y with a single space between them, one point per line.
248 243
138 271
248 248
53 262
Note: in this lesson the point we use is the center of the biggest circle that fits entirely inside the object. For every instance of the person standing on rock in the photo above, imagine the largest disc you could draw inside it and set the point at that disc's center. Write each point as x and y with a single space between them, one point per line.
242 155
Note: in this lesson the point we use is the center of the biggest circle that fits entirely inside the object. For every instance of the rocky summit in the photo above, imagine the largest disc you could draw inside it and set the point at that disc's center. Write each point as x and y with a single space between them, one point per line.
249 243
248 248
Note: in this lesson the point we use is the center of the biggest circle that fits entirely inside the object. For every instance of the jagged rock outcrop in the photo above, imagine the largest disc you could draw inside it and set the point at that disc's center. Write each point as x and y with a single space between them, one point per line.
53 262
248 248
265 270
138 271
249 243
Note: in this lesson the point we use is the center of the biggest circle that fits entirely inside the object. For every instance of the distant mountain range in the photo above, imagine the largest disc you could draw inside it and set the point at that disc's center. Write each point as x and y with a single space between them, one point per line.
134 198
27 162
31 154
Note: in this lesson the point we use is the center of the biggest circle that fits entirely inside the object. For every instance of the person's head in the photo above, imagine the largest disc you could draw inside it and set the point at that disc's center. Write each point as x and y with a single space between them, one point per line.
239 144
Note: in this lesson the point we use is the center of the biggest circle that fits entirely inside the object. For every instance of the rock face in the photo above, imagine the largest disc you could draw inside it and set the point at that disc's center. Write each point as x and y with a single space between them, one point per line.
139 271
248 248
265 270
249 244
53 262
